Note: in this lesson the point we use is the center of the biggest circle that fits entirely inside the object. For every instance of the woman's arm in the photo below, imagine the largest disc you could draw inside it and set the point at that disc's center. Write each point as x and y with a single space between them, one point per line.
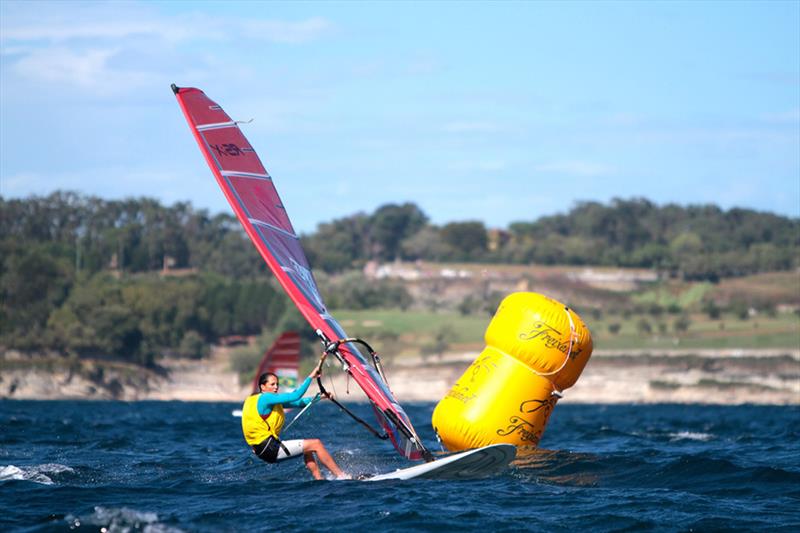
268 399
302 402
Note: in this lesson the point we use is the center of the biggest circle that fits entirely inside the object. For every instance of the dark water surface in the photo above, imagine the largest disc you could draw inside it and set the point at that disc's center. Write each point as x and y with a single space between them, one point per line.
174 466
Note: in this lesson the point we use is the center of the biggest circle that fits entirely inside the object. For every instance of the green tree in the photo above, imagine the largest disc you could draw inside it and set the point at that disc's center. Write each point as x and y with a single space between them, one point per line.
427 244
712 309
33 282
193 346
338 245
441 340
468 239
681 324
390 225
96 322
355 291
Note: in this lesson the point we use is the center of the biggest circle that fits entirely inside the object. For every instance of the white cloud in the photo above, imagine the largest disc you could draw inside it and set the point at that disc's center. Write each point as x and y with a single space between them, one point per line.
791 116
17 184
60 65
626 119
366 69
423 66
491 165
471 127
576 168
60 23
15 50
488 164
60 31
110 48
28 183
170 185
281 31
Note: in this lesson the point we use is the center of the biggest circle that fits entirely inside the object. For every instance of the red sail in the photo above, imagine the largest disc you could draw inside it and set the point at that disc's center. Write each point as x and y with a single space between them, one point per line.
283 360
253 197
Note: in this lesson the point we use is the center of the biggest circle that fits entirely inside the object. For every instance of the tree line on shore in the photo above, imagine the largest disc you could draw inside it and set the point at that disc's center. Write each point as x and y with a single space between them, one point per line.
695 242
78 273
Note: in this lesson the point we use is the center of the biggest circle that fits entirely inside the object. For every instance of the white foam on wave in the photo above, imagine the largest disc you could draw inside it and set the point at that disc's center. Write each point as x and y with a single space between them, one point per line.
35 473
122 519
11 472
690 435
52 468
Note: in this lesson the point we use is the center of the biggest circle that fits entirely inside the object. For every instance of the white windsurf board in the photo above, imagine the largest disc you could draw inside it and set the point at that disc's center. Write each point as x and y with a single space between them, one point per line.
472 464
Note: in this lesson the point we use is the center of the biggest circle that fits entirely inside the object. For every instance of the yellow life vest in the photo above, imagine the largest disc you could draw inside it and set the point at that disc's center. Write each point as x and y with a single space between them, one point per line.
256 427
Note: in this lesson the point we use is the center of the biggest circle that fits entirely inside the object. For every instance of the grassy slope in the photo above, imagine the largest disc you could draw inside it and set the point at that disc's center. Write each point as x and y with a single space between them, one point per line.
406 332
728 332
415 328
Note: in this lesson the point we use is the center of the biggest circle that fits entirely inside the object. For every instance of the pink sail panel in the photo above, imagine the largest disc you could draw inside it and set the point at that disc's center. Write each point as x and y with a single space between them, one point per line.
261 200
283 360
231 151
252 195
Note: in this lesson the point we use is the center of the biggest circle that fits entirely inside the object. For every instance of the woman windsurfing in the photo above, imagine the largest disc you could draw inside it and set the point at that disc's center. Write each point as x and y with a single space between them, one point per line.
262 422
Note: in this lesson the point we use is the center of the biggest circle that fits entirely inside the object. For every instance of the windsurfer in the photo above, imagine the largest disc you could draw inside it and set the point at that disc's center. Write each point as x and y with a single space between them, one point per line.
262 422
255 201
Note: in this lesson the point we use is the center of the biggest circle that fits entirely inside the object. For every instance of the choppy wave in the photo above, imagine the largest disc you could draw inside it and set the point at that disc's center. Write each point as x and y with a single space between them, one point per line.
179 466
35 474
691 435
120 520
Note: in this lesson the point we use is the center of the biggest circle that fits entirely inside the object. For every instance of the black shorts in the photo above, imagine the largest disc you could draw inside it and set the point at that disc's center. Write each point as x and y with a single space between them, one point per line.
268 450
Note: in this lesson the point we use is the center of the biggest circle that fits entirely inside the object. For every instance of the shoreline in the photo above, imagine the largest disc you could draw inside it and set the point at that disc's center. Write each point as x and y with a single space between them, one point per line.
723 377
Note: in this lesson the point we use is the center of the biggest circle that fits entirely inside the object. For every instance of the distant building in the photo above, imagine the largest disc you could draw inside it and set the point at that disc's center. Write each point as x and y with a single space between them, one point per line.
497 238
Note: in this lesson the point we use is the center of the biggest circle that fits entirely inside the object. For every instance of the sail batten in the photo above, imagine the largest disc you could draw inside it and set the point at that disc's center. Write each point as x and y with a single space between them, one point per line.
245 174
275 228
251 192
205 127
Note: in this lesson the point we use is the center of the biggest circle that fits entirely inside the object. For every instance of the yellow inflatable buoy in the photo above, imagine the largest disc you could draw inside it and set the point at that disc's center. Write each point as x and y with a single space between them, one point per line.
535 348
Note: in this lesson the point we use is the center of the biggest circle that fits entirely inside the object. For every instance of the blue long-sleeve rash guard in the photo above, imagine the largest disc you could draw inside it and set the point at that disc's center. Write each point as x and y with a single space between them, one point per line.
288 399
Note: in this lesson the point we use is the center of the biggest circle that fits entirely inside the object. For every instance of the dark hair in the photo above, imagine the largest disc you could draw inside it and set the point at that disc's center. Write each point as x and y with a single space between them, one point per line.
262 379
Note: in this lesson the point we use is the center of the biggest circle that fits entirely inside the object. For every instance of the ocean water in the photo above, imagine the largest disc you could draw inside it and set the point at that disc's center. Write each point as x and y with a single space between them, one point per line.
175 466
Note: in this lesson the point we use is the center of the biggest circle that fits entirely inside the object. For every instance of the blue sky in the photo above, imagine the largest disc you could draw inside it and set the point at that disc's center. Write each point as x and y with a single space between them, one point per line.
496 112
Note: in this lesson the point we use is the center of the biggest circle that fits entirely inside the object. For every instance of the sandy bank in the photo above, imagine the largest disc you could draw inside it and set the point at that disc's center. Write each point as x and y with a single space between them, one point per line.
718 377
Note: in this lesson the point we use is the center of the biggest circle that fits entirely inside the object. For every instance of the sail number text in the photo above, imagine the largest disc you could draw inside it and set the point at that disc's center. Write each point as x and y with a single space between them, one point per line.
227 149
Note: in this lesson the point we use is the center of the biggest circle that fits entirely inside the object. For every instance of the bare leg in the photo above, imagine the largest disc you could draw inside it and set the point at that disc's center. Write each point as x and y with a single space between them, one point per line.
311 464
315 446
